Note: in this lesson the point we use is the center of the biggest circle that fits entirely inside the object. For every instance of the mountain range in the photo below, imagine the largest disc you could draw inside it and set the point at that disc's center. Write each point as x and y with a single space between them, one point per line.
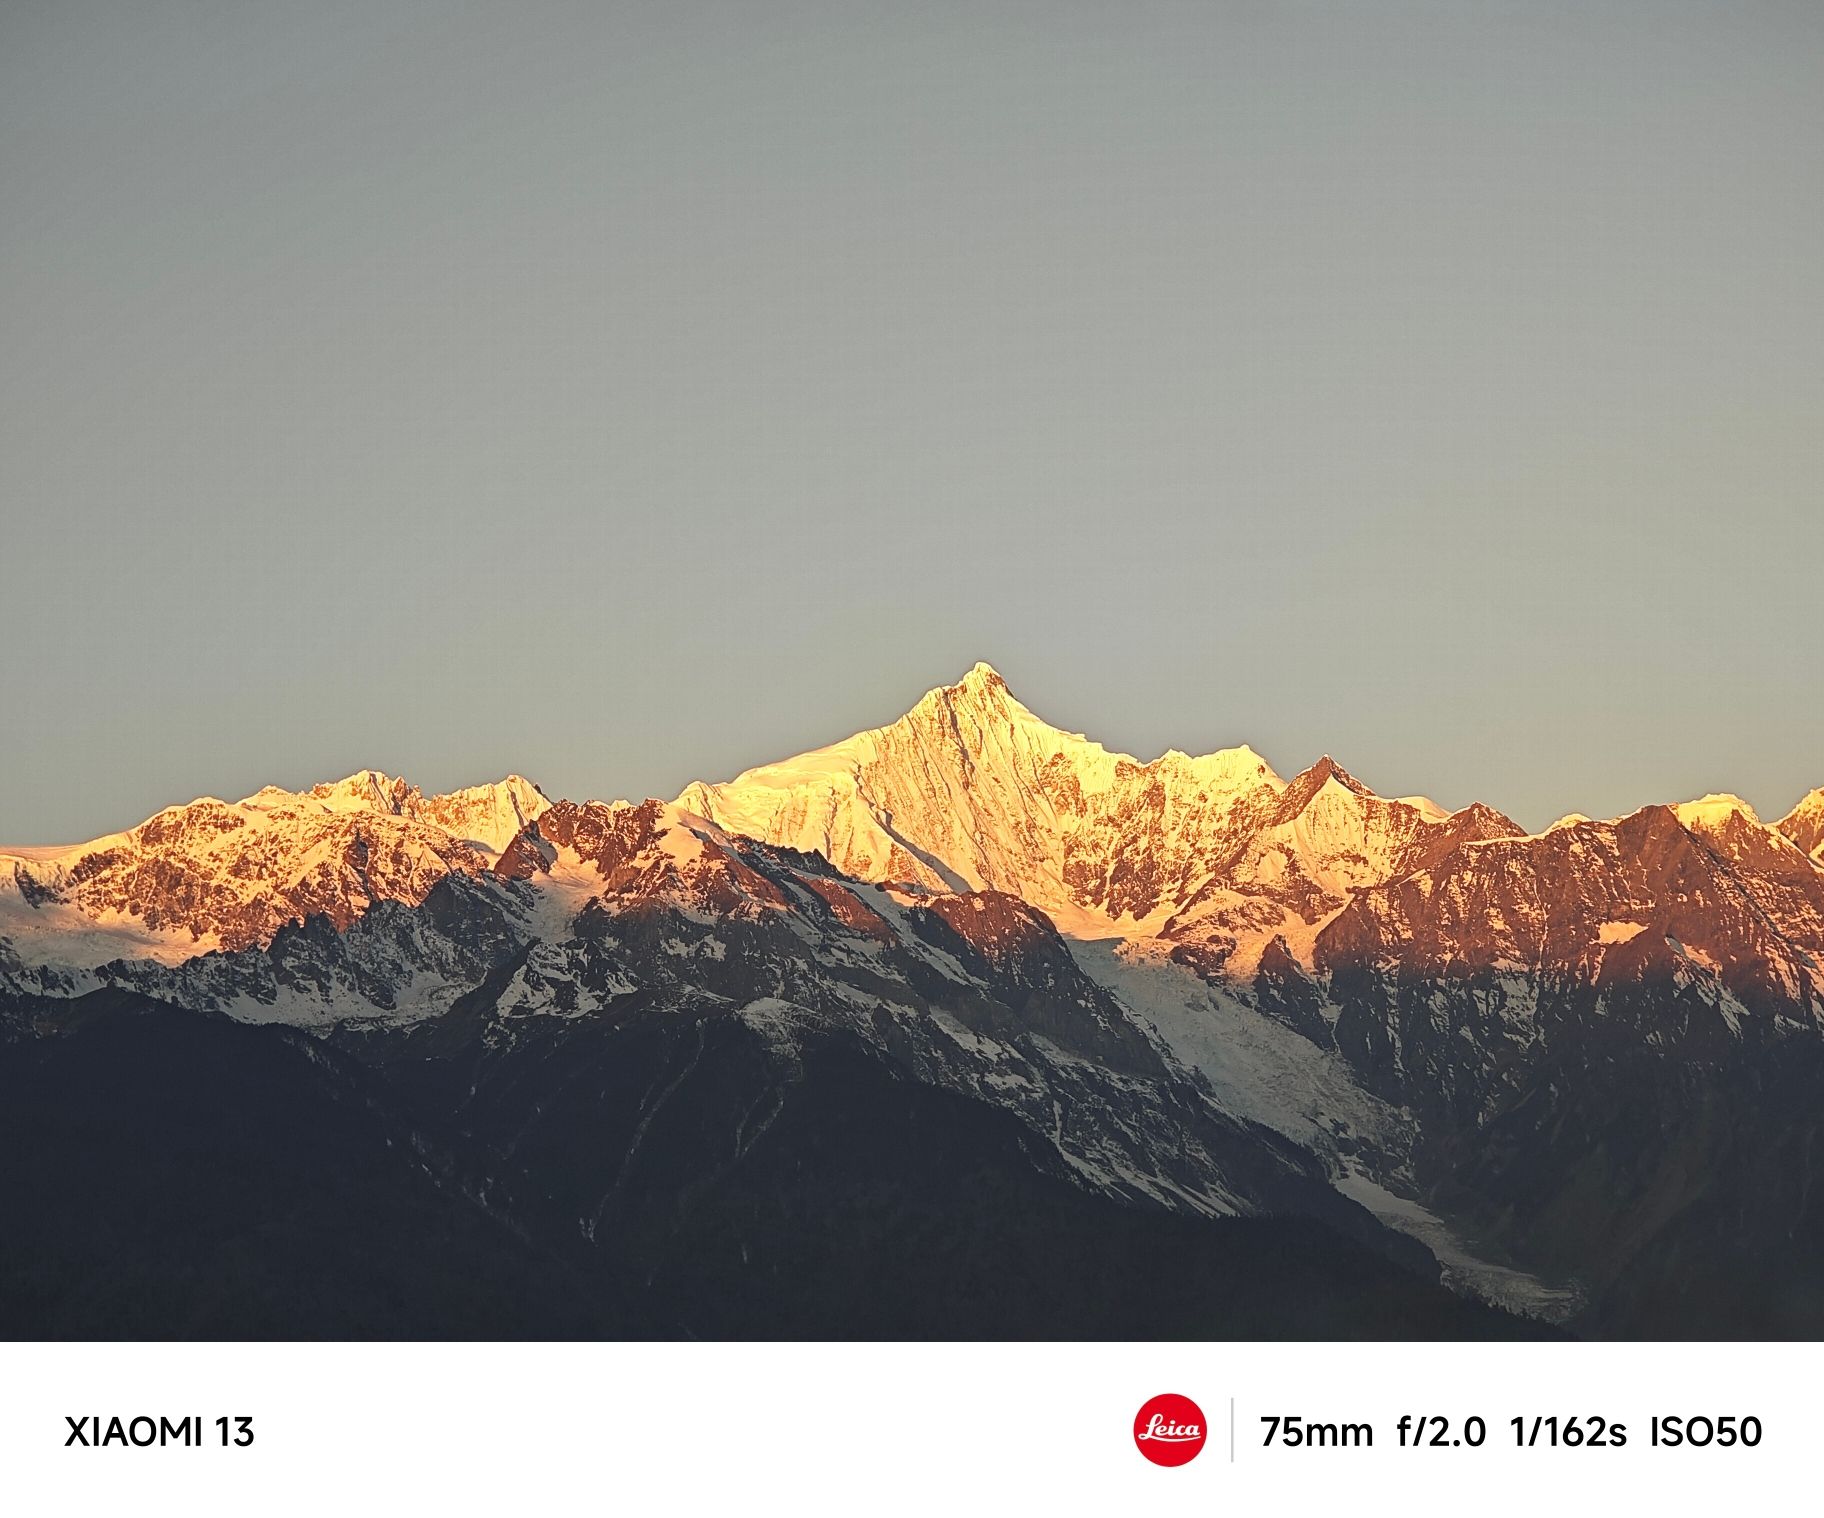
964 1026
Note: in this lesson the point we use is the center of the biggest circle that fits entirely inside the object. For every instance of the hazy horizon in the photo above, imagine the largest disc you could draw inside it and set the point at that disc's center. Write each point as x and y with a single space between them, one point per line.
631 395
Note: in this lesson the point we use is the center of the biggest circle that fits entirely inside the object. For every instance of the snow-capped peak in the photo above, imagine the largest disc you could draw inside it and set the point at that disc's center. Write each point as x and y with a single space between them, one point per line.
981 676
1708 813
1804 825
487 817
365 791
972 789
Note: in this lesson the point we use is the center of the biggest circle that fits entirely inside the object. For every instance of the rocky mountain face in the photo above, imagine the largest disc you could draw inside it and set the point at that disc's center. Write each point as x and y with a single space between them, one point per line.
227 875
1001 962
1574 1019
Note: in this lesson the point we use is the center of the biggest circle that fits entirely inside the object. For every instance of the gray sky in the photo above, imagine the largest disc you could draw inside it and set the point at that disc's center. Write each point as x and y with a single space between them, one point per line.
629 394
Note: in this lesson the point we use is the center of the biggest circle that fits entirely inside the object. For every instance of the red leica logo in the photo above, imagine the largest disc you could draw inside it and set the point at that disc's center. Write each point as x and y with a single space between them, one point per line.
1170 1429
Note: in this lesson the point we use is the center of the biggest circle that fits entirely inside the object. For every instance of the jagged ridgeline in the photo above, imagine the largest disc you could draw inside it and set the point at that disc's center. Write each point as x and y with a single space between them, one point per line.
964 1026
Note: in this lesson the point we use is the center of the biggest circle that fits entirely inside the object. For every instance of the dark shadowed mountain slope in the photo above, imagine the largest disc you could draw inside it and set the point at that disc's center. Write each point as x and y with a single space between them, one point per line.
193 1178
